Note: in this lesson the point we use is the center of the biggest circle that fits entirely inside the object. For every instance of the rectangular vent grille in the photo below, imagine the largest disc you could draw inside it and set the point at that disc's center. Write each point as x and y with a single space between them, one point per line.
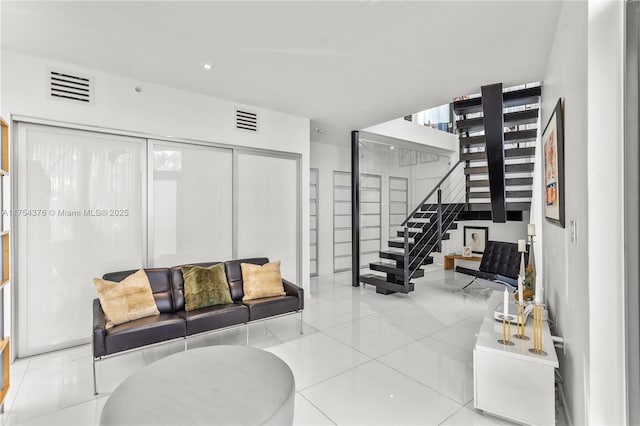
64 85
246 120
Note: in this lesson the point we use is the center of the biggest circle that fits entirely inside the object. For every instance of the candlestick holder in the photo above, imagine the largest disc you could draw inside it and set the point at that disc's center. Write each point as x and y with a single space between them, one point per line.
520 323
506 332
537 331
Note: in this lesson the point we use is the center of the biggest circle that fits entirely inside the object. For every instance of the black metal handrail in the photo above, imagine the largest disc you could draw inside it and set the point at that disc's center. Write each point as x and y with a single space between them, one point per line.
450 209
435 188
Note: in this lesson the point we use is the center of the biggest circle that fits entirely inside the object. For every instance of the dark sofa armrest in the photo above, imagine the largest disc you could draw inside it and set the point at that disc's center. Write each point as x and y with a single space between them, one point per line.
99 330
291 289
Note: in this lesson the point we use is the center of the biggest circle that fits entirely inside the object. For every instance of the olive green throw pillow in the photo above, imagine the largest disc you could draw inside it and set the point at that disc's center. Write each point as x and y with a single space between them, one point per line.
205 286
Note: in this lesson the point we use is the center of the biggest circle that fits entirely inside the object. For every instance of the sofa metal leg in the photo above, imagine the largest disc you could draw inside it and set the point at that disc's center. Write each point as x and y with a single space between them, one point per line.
95 387
246 327
301 323
185 343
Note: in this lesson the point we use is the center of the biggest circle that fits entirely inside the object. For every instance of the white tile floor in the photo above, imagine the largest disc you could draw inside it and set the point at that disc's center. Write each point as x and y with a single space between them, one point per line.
364 359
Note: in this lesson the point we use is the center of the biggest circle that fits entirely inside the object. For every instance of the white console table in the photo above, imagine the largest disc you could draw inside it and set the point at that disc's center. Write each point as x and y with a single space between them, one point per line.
510 381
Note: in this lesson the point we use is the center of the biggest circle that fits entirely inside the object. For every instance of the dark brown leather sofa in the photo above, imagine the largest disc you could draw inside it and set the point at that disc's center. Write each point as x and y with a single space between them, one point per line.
174 322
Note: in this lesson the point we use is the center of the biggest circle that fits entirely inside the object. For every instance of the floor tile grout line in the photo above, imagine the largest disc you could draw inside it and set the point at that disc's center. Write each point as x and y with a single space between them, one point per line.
420 383
317 408
8 409
29 419
336 375
452 414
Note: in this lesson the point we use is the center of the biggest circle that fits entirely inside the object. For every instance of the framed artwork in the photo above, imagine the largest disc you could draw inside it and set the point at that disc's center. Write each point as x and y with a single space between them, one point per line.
408 157
466 251
476 237
553 160
426 157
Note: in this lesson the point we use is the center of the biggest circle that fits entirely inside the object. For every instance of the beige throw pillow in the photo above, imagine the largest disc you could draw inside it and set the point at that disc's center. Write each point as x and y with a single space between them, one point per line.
128 300
261 281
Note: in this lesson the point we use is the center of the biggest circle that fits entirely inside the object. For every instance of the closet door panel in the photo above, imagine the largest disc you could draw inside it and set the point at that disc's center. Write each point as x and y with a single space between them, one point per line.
84 199
267 210
192 214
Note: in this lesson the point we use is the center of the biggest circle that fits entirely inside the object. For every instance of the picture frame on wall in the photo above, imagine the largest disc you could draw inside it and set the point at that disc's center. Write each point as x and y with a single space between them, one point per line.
476 237
553 161
408 157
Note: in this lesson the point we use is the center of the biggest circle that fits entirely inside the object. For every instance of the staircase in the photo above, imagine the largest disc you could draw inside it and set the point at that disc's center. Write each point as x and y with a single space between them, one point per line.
492 181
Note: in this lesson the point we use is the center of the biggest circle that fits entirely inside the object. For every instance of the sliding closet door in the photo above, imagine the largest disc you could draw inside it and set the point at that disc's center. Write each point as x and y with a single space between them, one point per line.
267 210
191 193
82 213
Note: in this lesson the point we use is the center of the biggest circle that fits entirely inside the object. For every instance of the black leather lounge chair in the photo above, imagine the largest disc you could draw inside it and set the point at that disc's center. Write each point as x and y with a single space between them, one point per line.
500 263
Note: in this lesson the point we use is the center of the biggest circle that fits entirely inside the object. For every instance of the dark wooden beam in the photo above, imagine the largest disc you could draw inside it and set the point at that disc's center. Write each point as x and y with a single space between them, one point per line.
494 136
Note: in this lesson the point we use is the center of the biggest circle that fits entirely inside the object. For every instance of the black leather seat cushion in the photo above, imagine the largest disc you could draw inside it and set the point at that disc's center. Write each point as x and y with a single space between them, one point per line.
215 317
270 306
144 331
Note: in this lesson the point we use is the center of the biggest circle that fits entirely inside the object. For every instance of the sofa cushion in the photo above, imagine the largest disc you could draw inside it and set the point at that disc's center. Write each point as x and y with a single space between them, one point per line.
144 331
177 283
205 286
270 306
160 281
215 317
234 274
260 281
127 300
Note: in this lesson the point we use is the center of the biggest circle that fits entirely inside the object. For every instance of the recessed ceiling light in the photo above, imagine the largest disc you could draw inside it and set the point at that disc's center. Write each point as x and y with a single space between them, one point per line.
392 147
207 66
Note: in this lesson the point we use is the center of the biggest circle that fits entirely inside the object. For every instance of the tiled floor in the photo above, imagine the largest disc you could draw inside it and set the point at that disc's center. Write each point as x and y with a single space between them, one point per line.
364 359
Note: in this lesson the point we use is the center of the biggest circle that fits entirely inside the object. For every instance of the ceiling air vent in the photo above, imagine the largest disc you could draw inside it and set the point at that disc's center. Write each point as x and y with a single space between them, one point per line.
71 87
246 120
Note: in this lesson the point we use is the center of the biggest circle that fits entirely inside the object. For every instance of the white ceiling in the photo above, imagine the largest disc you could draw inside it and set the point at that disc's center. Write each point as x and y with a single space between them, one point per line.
346 65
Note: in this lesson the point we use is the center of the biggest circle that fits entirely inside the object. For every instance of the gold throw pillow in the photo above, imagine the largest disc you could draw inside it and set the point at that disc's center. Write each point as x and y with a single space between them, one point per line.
261 281
127 300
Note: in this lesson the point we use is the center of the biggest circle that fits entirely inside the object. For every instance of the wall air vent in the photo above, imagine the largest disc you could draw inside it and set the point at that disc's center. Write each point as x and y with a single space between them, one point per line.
246 120
70 86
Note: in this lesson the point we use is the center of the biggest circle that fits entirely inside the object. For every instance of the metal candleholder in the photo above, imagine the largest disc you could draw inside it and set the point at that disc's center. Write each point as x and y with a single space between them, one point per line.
506 332
520 323
537 331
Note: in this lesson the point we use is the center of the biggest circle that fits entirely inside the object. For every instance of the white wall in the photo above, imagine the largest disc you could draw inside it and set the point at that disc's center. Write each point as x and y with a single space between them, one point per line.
413 132
565 265
327 159
607 369
509 232
157 110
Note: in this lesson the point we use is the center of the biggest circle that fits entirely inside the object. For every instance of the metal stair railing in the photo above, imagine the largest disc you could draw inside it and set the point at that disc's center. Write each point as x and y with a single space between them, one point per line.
448 197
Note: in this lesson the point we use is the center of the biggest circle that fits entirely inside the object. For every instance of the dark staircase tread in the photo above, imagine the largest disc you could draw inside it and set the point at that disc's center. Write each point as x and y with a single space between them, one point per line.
381 283
400 244
510 206
423 235
447 223
510 194
508 153
512 215
526 96
398 255
484 183
508 168
510 119
529 135
391 269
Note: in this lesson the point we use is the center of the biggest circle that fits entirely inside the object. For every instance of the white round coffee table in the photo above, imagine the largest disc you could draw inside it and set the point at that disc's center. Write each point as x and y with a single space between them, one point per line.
213 385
